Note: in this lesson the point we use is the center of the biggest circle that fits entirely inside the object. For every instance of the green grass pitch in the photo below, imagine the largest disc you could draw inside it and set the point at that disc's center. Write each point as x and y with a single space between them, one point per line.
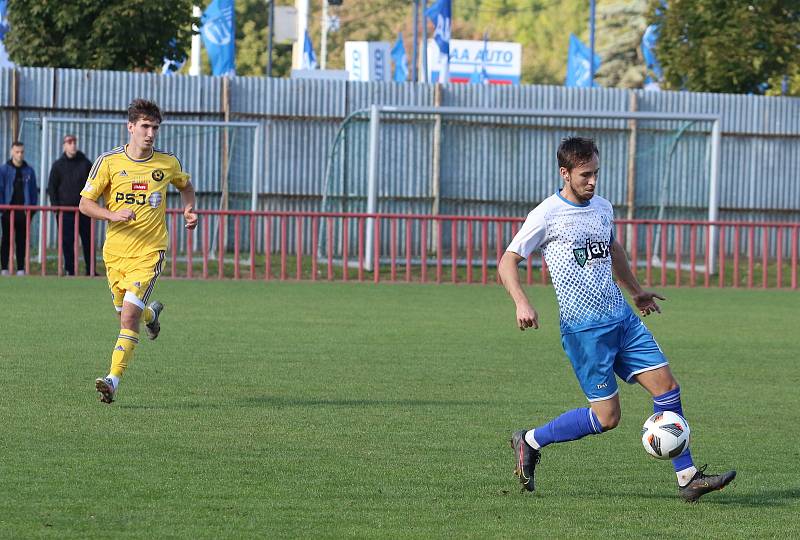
276 410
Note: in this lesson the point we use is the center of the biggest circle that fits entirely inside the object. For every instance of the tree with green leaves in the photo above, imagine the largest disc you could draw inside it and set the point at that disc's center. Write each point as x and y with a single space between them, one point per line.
730 46
120 35
362 20
252 18
541 26
620 26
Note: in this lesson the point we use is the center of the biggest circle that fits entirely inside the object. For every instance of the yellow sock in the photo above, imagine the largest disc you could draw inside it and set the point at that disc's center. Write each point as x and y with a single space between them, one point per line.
148 315
123 351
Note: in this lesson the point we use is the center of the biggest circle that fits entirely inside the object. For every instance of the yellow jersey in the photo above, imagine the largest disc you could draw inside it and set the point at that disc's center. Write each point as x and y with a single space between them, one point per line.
140 185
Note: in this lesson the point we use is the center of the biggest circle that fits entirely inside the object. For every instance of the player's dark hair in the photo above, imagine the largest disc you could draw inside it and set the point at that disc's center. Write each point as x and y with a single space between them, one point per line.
141 108
17 143
575 151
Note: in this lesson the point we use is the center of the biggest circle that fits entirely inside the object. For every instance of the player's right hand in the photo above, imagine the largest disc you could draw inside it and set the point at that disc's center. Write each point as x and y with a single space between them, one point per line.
527 318
126 214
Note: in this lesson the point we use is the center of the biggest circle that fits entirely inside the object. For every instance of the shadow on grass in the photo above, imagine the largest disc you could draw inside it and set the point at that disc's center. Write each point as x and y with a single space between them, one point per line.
288 402
173 406
279 401
730 497
774 497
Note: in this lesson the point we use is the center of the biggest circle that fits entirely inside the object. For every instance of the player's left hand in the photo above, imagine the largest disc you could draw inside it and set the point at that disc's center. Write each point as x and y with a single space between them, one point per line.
646 303
190 217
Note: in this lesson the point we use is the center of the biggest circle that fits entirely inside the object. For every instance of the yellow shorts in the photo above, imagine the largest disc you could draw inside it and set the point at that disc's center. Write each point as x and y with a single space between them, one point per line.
131 279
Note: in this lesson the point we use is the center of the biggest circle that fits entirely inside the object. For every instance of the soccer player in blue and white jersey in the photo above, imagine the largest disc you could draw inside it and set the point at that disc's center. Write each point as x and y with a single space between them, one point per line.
600 333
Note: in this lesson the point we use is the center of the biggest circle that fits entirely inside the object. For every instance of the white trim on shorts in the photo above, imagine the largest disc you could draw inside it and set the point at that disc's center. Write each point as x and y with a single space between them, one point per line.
592 400
132 299
118 308
648 368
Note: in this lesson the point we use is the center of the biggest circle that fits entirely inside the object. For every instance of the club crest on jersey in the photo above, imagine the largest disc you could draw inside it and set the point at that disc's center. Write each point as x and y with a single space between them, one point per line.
593 250
155 199
158 175
139 186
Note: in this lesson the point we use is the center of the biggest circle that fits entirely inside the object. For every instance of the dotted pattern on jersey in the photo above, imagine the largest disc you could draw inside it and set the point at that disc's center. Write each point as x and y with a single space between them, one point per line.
587 295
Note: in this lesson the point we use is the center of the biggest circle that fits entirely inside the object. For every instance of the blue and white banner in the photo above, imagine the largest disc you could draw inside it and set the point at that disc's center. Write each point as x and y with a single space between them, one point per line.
368 60
400 60
649 40
309 58
472 61
440 15
4 61
578 64
218 32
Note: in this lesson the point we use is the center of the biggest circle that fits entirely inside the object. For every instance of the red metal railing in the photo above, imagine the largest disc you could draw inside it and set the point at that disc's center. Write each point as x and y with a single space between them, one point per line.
45 236
424 248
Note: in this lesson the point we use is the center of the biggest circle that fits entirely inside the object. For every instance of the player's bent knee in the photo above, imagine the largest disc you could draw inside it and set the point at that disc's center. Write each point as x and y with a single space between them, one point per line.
129 319
129 322
609 420
610 424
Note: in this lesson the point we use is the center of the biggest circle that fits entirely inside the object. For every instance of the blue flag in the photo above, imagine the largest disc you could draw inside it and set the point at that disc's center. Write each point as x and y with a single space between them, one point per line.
309 58
3 22
480 76
483 77
578 64
217 31
440 15
4 61
171 66
400 60
649 40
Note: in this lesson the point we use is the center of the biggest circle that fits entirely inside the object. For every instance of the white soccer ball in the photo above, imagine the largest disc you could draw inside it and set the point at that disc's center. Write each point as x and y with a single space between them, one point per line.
665 435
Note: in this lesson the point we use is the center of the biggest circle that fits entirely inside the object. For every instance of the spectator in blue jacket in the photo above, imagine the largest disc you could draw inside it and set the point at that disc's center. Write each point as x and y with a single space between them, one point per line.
17 187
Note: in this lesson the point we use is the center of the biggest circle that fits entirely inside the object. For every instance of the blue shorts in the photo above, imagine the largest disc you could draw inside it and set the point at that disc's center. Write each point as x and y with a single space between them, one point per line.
626 348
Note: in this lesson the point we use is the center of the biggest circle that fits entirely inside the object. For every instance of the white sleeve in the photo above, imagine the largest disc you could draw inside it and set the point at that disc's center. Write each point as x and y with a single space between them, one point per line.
530 237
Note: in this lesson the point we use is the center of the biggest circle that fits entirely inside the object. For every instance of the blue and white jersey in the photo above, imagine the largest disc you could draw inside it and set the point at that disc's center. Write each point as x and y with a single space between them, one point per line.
576 243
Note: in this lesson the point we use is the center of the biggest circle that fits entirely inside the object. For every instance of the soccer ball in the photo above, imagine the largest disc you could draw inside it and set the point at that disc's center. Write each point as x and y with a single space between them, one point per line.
665 435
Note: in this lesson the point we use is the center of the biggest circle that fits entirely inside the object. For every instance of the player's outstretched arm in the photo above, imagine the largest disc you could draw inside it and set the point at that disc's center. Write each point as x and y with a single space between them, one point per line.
509 275
188 200
90 208
644 300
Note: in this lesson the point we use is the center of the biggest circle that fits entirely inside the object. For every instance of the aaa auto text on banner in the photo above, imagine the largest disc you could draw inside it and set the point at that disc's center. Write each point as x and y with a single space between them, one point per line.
501 60
368 60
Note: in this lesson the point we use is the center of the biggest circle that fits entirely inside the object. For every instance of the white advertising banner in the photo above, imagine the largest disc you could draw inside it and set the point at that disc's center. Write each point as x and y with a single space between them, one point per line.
488 62
368 60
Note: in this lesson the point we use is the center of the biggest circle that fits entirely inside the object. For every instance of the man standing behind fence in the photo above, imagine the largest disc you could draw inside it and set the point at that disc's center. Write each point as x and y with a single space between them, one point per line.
67 176
17 187
133 181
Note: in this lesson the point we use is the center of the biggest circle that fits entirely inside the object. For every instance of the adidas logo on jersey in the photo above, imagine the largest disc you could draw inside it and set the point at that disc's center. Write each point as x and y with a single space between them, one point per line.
123 173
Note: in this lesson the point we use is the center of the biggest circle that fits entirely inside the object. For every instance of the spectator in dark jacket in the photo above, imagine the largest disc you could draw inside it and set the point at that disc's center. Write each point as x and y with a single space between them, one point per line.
17 187
67 178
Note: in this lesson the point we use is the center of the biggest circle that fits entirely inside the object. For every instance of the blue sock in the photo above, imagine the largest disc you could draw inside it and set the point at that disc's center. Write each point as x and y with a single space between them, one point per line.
571 425
671 401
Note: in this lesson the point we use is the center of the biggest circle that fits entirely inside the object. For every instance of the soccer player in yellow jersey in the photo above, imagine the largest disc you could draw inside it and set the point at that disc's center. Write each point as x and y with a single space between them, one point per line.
133 181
